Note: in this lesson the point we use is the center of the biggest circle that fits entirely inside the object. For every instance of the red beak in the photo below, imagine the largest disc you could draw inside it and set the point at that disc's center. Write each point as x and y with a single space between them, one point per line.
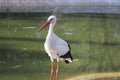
43 26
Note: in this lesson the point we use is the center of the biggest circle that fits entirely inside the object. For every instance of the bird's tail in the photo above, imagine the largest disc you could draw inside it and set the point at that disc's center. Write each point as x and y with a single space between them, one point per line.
67 57
68 60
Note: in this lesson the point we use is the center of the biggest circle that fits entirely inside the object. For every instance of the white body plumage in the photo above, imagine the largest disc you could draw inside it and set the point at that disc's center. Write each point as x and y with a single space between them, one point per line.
55 47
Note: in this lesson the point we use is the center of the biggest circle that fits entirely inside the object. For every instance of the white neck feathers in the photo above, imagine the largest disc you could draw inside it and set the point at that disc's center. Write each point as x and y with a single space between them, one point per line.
51 27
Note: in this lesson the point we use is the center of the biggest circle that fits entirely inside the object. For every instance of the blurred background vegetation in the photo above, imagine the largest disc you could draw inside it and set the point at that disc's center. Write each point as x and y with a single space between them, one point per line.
94 39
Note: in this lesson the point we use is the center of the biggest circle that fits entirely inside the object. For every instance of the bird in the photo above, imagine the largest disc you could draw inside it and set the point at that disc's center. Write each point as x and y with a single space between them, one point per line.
55 47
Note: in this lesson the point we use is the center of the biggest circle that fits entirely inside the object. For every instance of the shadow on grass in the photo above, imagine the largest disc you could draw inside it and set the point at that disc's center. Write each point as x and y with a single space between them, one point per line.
69 41
21 39
28 16
9 53
104 43
31 39
23 16
16 61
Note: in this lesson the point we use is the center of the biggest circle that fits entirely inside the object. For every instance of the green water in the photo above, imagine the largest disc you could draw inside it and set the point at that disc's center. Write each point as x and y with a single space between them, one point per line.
94 39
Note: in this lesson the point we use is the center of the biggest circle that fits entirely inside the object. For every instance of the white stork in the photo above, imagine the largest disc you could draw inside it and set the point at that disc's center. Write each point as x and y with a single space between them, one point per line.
55 47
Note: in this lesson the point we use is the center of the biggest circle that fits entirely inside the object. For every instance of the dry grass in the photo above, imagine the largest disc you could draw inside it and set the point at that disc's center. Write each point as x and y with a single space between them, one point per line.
96 76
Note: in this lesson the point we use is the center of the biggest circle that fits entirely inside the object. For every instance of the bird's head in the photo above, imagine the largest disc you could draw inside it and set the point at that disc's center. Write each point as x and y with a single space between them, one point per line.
51 19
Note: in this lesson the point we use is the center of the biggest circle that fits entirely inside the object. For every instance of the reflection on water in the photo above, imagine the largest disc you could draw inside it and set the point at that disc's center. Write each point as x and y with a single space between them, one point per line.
94 39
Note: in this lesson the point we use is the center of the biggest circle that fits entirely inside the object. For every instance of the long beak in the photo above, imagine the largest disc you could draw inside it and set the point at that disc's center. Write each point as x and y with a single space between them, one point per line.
43 26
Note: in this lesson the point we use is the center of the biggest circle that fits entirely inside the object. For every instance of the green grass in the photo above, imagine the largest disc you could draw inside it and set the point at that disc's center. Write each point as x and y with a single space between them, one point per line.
94 39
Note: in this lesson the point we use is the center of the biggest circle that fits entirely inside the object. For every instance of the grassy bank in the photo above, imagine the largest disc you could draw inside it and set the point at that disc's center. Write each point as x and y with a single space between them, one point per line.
94 39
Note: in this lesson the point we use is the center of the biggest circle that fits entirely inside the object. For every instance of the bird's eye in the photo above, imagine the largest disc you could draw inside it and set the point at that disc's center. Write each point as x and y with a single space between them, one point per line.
51 19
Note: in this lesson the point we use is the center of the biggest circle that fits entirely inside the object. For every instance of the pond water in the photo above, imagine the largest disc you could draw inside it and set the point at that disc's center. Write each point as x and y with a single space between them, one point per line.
94 39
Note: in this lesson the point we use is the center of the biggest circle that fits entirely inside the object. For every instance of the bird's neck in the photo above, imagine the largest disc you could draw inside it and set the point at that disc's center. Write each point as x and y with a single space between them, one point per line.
51 28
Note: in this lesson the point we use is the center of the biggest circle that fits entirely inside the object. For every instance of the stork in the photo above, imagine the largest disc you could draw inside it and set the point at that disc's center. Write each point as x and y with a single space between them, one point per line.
55 47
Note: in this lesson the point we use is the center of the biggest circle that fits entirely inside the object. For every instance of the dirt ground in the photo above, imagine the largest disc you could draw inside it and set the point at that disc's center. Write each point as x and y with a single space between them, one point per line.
97 76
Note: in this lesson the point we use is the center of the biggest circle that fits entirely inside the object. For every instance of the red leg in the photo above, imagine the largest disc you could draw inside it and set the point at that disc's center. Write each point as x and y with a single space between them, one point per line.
57 70
52 71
